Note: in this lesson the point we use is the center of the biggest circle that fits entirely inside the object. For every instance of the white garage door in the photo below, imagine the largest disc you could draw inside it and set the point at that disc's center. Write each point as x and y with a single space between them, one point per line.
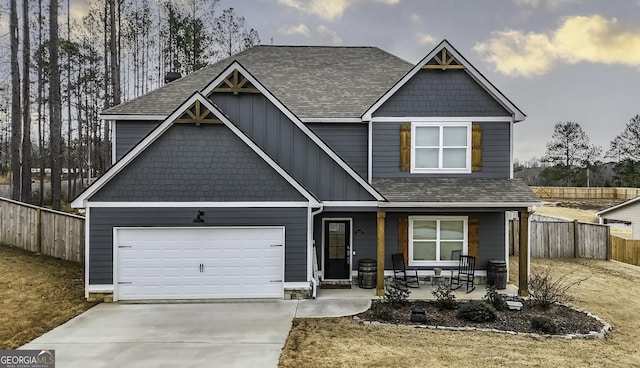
199 263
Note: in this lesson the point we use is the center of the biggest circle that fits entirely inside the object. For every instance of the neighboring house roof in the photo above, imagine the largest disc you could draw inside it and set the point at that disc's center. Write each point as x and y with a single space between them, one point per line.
454 56
453 192
633 201
82 199
312 81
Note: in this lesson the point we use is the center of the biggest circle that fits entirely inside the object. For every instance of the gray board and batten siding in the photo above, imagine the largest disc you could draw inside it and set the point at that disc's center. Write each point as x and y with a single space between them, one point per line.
447 93
348 140
190 163
103 220
288 145
129 133
496 143
491 234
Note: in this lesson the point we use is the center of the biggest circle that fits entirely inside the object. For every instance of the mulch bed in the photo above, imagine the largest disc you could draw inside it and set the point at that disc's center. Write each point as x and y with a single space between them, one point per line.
568 320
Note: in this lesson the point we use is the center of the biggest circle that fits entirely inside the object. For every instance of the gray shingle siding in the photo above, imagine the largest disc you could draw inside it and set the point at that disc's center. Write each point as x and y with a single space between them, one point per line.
103 220
190 163
441 93
129 133
347 140
496 152
290 147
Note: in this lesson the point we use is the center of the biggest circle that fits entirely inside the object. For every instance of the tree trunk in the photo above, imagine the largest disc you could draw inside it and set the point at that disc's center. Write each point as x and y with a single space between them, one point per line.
55 108
16 127
25 195
40 100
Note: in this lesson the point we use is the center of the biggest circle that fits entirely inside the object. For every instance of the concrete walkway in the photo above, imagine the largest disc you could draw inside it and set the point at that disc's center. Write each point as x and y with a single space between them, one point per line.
216 334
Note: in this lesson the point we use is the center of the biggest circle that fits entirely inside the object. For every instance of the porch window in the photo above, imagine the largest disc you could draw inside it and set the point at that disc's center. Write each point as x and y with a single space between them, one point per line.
434 240
441 147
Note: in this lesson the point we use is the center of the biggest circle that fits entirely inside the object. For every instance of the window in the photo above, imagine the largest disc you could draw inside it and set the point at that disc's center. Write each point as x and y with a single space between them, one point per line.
433 240
441 147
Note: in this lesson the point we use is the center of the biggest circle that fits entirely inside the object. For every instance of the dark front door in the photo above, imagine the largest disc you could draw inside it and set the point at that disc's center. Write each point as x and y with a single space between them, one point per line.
337 249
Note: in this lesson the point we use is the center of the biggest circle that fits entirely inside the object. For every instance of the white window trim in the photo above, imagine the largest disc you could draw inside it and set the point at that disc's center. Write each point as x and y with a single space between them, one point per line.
465 240
418 170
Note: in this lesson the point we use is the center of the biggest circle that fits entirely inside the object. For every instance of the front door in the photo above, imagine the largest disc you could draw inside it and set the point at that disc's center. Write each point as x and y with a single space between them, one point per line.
337 249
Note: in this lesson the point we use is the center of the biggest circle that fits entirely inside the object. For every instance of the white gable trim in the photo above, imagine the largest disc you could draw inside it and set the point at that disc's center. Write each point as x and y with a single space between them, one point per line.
442 119
132 117
613 208
237 66
236 204
471 70
81 200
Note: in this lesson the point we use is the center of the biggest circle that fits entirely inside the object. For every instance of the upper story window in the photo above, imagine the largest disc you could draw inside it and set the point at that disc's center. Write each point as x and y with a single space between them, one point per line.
441 147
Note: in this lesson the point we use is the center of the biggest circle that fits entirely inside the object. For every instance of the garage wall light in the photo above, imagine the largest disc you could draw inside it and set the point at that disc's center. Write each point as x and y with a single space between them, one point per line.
199 219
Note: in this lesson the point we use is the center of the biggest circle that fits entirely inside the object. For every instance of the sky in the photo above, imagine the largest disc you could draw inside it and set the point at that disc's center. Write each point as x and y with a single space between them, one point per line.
557 60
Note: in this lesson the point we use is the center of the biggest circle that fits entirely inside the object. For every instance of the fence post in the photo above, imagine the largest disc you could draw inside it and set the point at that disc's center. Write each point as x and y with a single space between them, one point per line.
39 230
608 245
576 242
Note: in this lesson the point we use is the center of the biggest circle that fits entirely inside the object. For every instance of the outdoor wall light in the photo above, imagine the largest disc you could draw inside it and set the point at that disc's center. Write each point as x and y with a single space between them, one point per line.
198 219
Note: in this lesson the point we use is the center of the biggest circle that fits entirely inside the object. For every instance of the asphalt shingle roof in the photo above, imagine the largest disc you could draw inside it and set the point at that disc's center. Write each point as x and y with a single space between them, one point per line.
312 81
455 190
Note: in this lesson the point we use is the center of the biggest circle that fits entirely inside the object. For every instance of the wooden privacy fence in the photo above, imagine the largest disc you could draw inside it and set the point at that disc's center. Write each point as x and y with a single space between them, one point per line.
41 230
585 193
625 250
563 239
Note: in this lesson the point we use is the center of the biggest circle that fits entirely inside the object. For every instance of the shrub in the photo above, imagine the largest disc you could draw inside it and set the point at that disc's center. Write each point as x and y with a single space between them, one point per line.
544 324
494 298
547 289
445 298
477 312
396 296
381 310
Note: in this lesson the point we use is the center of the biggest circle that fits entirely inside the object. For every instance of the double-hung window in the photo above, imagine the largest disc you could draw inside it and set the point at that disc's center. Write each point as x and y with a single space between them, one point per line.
437 240
441 147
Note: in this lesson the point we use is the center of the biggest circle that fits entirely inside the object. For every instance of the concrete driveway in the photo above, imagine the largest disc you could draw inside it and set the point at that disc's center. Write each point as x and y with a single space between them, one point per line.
223 334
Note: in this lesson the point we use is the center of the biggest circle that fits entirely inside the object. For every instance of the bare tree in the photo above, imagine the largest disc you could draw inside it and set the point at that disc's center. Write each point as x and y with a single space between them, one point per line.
16 127
230 34
25 195
55 108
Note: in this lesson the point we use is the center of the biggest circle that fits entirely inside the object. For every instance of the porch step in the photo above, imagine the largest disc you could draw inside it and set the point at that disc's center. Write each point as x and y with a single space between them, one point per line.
346 284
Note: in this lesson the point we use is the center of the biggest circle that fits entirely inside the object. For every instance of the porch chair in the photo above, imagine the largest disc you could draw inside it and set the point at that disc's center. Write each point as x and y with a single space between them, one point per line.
402 276
465 273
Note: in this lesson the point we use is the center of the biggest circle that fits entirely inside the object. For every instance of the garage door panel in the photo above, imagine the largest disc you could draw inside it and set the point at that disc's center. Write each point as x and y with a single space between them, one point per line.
164 263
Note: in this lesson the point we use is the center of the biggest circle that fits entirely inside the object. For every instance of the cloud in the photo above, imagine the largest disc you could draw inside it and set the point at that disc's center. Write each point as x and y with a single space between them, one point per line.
328 36
322 33
300 29
415 18
426 39
551 4
326 9
593 39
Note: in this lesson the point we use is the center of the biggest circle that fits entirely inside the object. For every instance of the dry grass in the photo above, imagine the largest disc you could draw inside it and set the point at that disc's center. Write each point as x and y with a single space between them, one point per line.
611 292
37 294
568 213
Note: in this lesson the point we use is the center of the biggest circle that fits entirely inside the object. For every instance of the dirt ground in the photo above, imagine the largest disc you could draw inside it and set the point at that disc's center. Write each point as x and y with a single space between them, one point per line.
37 294
611 292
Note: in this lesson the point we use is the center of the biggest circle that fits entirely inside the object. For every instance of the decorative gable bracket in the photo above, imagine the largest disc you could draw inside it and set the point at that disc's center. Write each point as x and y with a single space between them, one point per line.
236 83
198 114
443 61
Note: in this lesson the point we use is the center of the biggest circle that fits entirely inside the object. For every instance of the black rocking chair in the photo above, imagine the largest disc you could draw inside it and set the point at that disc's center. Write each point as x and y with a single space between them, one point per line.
402 276
465 273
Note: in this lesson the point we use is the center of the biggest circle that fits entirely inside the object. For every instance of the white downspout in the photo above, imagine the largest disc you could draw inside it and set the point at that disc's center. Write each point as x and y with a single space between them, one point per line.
313 259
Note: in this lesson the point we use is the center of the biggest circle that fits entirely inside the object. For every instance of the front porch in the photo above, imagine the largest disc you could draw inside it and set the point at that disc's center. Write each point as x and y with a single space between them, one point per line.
421 293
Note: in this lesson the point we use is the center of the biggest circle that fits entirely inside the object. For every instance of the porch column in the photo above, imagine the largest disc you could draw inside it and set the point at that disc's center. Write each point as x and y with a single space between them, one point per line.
523 269
380 261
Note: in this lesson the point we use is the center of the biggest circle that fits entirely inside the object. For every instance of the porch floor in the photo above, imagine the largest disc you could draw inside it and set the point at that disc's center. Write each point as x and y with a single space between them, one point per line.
423 292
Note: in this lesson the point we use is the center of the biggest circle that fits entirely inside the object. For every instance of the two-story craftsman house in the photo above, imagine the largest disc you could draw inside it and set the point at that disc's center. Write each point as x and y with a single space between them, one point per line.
225 182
